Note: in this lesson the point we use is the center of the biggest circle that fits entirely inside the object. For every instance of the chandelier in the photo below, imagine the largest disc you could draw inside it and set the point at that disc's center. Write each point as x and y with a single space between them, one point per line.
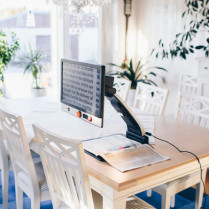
80 11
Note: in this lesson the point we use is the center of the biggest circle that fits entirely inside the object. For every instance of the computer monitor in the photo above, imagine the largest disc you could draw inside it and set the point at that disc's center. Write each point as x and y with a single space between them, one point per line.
83 87
82 90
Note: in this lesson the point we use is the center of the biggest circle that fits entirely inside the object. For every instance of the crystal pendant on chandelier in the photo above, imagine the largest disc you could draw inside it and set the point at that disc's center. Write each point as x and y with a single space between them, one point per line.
80 3
60 2
79 21
80 15
80 12
99 2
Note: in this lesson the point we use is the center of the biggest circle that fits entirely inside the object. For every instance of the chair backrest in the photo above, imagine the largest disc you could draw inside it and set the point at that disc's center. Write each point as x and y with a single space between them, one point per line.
18 146
65 170
188 83
150 98
122 87
193 109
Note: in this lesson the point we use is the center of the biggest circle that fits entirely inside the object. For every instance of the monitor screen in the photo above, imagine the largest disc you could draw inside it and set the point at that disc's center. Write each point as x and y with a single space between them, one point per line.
82 90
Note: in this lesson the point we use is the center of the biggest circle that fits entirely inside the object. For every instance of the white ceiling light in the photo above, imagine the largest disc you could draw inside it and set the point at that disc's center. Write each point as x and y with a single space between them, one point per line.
30 19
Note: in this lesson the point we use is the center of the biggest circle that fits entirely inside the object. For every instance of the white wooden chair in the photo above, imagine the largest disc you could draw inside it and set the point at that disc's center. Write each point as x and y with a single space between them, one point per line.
28 178
5 166
122 87
188 83
194 110
150 98
66 172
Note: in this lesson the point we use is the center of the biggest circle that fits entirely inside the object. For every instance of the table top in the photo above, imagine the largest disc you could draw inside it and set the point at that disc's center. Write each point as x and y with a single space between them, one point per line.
184 136
48 114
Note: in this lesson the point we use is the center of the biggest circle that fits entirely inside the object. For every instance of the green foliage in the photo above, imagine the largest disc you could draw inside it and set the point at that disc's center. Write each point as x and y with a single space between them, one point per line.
32 61
140 74
181 46
7 50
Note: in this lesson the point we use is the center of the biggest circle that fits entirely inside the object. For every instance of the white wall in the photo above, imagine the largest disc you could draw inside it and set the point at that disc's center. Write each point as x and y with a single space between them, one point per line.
152 20
132 29
161 19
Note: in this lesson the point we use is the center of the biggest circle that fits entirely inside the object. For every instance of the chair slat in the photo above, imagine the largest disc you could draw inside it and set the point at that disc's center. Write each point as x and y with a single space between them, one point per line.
194 109
150 98
188 83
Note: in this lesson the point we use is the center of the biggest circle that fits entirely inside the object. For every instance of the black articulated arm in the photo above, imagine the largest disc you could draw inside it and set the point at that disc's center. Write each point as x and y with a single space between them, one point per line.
135 130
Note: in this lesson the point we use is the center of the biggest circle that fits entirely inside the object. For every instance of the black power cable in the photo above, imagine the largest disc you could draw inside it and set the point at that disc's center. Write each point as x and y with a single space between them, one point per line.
150 134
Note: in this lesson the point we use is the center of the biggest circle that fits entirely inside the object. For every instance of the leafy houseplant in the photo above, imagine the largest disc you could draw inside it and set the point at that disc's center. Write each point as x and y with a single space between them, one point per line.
32 60
140 74
182 45
8 47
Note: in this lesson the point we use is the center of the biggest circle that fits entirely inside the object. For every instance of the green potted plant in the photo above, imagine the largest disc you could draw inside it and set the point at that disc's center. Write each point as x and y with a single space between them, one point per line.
184 41
142 73
8 46
32 60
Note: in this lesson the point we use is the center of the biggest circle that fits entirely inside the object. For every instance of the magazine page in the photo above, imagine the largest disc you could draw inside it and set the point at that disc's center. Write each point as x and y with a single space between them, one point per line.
122 153
131 158
107 144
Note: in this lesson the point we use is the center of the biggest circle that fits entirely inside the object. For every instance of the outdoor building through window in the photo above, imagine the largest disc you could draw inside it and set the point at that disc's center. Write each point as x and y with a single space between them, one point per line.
32 23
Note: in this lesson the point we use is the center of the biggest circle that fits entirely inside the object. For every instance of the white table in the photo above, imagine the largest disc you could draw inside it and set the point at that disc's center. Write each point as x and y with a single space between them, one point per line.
115 186
48 114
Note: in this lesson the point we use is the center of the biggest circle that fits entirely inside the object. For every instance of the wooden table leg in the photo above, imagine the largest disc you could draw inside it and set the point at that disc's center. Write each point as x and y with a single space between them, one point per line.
200 191
113 204
109 200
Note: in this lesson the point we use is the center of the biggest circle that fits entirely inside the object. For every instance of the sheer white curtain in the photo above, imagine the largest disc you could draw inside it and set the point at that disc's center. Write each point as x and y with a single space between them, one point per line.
109 32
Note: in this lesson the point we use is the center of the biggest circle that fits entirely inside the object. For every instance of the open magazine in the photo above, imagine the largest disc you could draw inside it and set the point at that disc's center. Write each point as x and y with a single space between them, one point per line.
122 153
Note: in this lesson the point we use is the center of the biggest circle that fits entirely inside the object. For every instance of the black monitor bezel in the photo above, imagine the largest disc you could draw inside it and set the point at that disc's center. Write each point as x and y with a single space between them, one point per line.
102 69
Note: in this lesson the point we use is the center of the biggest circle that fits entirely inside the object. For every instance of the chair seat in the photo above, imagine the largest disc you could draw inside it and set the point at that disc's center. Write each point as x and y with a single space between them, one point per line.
43 185
193 178
135 203
168 190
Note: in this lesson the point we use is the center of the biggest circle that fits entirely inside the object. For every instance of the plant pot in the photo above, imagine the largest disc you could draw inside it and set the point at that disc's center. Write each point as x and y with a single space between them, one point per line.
39 92
131 97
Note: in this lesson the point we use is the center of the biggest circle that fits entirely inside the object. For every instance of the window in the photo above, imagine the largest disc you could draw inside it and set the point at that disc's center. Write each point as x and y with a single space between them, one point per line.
74 47
44 43
49 38
14 17
85 45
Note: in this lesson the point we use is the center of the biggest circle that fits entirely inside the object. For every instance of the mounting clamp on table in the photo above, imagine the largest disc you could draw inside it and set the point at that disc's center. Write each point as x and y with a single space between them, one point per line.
135 129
